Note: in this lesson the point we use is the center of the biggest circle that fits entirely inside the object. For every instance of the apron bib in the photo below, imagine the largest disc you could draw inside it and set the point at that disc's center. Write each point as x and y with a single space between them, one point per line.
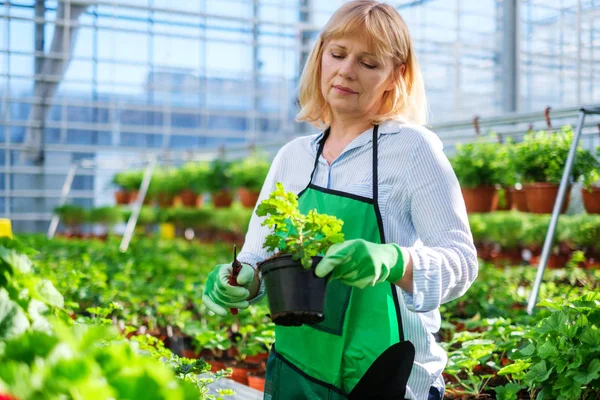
361 326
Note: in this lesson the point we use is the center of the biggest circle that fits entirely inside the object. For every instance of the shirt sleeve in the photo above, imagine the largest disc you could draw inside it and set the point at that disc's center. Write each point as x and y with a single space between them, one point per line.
445 265
252 251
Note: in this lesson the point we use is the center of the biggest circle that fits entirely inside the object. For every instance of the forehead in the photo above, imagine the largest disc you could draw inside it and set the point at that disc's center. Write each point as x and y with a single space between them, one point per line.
354 43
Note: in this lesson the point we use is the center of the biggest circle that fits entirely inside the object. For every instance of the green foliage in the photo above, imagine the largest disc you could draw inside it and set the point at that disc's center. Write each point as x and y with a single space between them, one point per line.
250 173
302 236
219 176
590 169
168 181
542 156
583 231
105 215
195 176
477 164
564 350
129 180
506 229
71 215
45 357
512 229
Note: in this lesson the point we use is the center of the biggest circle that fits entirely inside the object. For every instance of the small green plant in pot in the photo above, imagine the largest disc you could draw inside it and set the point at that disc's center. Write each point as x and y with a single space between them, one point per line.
248 175
219 183
300 241
590 178
475 165
194 176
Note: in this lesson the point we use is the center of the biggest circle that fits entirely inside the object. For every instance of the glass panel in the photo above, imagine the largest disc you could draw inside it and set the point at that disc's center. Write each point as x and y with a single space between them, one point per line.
21 35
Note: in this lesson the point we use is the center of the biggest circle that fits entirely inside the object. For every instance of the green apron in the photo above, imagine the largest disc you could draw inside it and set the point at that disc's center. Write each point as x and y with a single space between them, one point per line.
327 360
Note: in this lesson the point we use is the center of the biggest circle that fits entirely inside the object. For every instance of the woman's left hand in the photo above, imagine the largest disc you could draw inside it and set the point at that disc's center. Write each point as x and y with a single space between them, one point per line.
361 263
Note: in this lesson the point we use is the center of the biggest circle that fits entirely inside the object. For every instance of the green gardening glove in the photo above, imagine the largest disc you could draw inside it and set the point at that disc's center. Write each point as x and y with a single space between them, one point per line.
360 263
219 295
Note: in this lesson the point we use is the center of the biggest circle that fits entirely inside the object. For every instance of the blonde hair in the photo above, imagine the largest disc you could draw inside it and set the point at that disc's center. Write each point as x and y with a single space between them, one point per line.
389 37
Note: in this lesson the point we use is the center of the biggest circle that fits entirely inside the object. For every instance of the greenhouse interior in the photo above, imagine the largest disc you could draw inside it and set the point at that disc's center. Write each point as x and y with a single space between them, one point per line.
165 165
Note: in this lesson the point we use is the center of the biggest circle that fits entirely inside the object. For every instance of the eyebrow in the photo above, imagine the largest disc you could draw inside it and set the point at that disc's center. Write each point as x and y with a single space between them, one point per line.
345 48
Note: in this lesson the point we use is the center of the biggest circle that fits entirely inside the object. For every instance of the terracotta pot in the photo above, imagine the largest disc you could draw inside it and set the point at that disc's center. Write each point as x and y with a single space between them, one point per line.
247 197
541 197
241 371
189 353
508 203
222 199
479 199
591 200
507 257
554 261
256 381
165 200
258 358
133 197
188 198
519 200
121 197
216 365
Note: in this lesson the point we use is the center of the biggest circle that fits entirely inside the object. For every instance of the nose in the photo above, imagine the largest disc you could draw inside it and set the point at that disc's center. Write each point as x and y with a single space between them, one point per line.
347 68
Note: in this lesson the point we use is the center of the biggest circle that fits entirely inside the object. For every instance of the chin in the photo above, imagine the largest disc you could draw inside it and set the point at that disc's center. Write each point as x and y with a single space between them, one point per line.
341 106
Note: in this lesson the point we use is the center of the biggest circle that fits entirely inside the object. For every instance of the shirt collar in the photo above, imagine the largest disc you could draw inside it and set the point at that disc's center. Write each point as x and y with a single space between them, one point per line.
388 127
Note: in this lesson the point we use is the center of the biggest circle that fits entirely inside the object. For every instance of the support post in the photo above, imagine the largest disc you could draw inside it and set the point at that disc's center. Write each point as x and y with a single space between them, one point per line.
64 195
137 206
562 191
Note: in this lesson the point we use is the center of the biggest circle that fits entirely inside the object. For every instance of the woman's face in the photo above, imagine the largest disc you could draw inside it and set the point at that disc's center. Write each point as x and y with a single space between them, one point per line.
353 80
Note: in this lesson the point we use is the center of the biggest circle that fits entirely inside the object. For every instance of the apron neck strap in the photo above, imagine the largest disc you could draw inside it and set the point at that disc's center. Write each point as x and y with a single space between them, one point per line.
375 177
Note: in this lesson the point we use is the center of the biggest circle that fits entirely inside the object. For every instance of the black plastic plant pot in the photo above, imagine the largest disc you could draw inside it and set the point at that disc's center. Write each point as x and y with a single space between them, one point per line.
295 295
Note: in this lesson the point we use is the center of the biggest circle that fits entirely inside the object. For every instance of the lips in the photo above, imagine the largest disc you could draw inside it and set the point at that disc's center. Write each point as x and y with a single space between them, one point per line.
344 89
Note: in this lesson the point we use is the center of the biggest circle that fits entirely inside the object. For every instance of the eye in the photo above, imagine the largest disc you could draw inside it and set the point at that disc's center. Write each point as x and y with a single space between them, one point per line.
336 56
369 66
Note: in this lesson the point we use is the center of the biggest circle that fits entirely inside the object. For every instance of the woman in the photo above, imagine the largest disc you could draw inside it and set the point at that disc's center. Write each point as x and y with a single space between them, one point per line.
408 244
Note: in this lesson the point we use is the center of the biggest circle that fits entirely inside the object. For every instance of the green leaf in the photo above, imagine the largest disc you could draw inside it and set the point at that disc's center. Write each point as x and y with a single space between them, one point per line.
592 373
517 367
525 352
29 346
508 391
547 350
18 262
49 294
554 323
13 320
538 373
591 337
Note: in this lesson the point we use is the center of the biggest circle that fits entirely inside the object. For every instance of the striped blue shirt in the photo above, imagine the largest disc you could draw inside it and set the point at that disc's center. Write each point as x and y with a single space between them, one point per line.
422 210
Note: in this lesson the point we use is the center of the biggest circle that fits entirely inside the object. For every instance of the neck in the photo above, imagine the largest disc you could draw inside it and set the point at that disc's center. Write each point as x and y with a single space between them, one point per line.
347 129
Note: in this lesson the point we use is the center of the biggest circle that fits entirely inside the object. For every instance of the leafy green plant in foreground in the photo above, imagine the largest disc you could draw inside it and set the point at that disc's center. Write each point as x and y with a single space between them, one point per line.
564 351
302 236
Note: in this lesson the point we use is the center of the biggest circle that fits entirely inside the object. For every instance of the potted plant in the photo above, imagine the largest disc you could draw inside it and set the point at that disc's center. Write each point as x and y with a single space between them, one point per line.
590 193
108 217
541 158
194 176
534 236
506 230
73 217
300 241
122 193
583 234
476 168
134 182
508 177
248 175
165 184
219 183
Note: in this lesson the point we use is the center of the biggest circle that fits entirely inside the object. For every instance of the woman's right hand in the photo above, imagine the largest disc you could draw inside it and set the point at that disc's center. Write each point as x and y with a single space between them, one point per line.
219 295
